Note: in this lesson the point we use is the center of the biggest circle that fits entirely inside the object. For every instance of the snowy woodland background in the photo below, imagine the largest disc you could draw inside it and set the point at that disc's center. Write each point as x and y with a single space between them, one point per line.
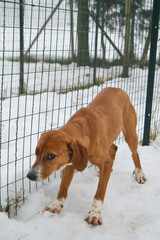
53 68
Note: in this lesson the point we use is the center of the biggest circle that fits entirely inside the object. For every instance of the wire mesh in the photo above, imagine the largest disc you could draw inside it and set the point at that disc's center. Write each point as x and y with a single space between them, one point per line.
71 50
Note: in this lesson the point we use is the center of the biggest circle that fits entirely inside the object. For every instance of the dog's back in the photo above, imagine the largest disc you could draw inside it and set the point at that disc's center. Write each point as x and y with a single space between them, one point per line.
110 98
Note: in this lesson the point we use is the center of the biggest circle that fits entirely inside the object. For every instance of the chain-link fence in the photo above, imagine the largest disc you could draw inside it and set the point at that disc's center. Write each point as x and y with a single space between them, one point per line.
55 56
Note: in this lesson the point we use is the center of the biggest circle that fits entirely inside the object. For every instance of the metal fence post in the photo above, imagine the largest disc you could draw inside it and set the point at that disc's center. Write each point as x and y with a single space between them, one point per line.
21 21
96 42
151 71
0 147
1 99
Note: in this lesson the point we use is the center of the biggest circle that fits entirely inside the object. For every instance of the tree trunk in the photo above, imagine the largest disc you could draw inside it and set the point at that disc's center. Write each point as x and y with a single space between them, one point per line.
71 31
102 38
131 49
127 38
146 47
82 28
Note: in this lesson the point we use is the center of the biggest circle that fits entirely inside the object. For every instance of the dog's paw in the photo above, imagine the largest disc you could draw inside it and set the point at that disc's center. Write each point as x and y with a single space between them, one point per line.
94 218
139 175
55 207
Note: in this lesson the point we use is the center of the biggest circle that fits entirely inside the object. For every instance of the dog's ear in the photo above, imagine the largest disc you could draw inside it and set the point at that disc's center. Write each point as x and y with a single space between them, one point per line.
78 155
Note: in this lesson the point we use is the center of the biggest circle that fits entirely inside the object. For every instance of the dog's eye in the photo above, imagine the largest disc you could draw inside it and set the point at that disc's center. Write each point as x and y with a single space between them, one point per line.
37 152
51 157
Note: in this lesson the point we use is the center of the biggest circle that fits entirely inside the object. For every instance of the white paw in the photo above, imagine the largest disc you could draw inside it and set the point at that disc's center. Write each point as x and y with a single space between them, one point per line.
94 216
56 206
139 175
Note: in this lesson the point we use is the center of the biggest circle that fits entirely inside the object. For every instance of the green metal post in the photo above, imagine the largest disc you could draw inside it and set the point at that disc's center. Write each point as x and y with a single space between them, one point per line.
21 20
0 148
151 71
1 99
96 42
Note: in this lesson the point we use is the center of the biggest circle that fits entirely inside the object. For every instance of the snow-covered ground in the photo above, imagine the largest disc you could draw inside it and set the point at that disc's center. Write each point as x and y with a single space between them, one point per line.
54 77
25 117
130 211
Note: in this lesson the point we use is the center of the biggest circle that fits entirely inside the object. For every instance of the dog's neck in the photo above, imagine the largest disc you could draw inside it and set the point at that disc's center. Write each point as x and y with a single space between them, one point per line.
77 131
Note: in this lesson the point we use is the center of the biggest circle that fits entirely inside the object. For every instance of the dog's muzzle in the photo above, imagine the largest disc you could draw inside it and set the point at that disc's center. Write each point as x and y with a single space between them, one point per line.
34 174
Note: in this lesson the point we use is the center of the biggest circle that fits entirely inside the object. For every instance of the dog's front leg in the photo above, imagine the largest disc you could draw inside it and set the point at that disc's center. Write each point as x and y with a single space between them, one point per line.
57 205
94 216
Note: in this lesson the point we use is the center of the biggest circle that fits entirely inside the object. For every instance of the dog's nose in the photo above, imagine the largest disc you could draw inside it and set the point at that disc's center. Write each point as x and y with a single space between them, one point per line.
32 176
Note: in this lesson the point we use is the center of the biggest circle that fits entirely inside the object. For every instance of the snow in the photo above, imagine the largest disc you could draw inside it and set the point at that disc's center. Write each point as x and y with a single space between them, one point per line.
41 77
53 43
130 211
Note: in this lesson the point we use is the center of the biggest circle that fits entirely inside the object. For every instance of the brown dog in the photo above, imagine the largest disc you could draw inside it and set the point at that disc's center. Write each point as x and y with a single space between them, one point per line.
88 136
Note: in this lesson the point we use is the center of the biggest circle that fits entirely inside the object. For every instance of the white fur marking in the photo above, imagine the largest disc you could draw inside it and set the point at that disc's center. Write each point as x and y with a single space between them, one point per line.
56 206
38 169
140 176
95 212
63 167
97 205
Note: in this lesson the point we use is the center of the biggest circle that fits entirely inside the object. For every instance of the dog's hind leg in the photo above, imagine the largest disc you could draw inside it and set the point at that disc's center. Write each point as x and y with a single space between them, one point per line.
129 131
67 176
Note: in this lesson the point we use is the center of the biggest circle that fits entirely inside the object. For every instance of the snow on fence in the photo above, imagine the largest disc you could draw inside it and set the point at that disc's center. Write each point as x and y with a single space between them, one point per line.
55 57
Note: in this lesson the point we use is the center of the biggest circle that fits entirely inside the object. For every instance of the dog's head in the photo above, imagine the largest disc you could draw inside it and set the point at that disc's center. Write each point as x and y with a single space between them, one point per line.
55 150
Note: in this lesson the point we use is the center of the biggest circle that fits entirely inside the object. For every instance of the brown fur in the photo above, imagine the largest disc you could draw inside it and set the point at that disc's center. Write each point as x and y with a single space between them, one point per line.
89 136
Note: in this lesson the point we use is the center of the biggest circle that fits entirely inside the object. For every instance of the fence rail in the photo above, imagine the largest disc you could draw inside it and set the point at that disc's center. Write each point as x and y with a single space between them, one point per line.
55 56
